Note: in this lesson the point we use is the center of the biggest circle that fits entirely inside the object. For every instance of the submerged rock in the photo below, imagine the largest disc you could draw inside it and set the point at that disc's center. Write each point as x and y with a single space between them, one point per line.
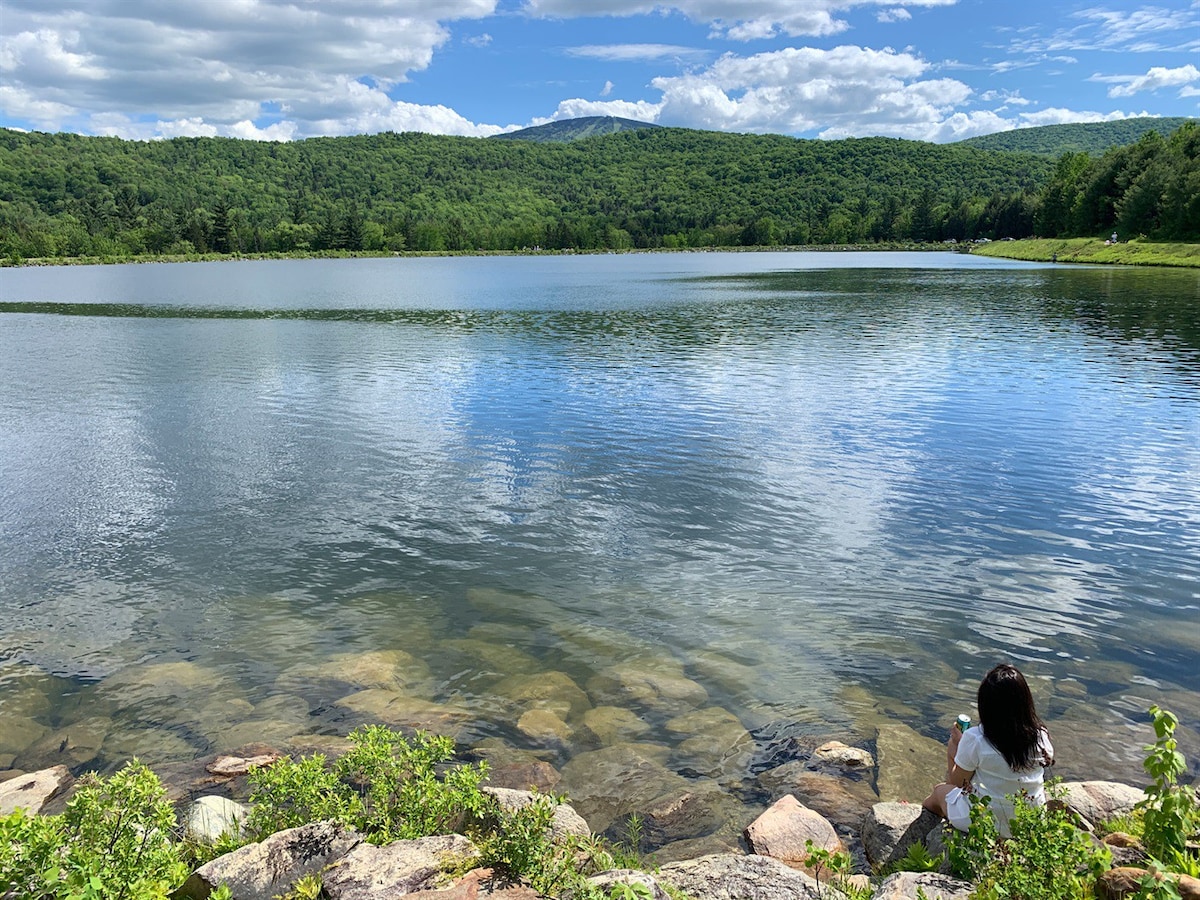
654 685
545 728
392 670
18 732
402 711
607 785
718 745
909 763
607 725
494 658
74 746
555 691
518 769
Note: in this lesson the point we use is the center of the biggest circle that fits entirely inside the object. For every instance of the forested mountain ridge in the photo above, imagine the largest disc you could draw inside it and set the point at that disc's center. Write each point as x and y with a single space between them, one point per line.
68 195
1082 137
574 129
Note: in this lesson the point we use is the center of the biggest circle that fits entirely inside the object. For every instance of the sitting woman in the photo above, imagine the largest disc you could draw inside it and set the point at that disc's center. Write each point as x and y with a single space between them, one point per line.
1005 757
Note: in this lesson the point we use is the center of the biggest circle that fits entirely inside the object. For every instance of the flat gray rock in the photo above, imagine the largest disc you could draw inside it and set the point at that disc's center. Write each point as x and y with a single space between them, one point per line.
368 872
729 876
269 868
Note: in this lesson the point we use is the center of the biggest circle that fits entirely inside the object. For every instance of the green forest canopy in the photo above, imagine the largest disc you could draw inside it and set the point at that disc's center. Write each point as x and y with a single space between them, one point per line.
69 195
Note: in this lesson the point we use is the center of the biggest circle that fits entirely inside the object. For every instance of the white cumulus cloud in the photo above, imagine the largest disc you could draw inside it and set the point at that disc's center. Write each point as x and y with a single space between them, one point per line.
269 69
1155 78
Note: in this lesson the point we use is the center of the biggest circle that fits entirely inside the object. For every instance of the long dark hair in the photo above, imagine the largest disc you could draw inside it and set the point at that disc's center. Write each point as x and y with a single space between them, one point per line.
1009 719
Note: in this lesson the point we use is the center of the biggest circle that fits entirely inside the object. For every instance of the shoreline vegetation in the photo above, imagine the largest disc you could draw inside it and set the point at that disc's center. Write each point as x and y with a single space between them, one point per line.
143 258
400 814
1092 251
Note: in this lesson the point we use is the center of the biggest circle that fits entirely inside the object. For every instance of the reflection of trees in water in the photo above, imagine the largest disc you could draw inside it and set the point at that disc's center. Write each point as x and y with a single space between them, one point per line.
1130 305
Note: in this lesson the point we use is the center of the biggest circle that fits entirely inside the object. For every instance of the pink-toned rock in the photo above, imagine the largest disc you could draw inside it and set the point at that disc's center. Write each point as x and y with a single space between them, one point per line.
783 832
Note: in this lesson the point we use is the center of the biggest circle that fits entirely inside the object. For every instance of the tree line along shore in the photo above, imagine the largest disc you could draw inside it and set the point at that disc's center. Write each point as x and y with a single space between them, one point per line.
67 196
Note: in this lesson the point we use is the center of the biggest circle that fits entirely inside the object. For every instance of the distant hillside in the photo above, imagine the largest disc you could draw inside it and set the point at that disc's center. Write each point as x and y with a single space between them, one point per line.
1084 137
574 129
63 194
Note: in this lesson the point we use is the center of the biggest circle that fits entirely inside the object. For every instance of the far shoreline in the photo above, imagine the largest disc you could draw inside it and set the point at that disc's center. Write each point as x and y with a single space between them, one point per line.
1089 251
46 261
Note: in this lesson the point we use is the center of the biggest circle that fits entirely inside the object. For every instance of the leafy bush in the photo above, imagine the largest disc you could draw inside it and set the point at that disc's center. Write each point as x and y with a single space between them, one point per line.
1170 812
1047 858
387 787
114 842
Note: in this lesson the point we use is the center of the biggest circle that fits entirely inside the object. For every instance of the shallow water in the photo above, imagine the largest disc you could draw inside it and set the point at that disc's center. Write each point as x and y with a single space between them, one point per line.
829 490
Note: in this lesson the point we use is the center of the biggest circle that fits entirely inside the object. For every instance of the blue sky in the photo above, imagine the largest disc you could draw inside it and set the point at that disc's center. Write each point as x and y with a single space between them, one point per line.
937 70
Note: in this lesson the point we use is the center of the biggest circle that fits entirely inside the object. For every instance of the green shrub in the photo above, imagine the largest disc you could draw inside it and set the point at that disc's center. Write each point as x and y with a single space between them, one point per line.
1170 812
114 842
1047 857
387 787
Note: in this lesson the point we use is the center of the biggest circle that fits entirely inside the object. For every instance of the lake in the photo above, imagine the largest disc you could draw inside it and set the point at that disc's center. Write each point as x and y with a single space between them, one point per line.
712 508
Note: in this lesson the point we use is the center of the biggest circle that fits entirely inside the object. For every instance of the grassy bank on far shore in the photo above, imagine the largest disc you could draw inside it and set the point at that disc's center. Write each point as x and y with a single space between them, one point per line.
1094 250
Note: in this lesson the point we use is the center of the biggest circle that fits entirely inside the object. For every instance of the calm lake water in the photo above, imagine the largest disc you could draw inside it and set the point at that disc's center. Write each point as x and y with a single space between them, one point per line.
830 490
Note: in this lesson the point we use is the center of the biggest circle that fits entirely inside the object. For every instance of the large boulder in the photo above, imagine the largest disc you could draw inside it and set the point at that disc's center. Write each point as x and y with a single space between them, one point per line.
1099 801
889 829
922 886
729 876
368 872
34 791
785 830
269 868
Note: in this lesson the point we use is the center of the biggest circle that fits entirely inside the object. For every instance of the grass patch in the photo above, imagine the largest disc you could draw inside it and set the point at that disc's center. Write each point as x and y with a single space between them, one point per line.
1094 250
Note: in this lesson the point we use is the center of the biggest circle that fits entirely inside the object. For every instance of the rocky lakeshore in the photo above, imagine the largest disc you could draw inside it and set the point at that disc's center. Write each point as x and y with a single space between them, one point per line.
698 746
772 860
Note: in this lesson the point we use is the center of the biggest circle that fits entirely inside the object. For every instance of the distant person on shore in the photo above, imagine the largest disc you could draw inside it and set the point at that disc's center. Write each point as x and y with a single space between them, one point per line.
1005 755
